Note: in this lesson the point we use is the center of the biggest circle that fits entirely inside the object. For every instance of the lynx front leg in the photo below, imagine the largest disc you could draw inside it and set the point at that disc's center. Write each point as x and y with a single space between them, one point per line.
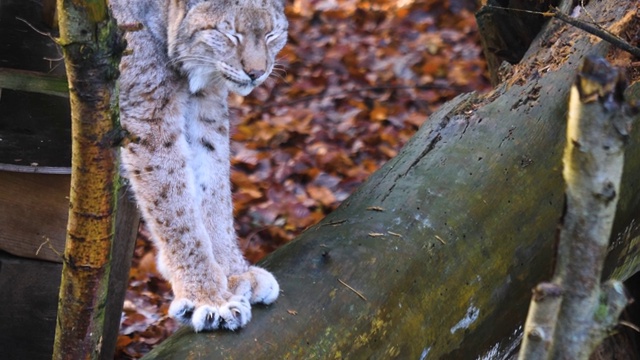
164 186
200 284
212 168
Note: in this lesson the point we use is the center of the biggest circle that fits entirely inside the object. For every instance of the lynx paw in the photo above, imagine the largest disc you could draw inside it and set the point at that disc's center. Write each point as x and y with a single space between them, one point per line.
257 285
230 315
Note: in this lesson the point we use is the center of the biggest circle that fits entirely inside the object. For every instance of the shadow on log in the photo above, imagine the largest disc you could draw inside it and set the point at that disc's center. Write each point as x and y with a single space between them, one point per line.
446 241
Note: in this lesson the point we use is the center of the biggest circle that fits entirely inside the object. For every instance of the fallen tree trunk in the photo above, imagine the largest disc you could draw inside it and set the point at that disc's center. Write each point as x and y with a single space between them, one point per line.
436 255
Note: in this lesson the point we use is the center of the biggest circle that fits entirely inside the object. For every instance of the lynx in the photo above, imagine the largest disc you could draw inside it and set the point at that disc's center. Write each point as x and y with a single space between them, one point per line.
182 60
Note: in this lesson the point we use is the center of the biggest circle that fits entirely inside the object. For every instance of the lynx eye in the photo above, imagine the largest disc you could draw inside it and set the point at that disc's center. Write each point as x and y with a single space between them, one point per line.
234 37
270 37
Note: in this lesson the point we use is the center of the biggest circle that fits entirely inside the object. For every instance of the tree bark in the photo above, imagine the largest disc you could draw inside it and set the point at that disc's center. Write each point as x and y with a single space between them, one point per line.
597 130
92 48
576 312
446 241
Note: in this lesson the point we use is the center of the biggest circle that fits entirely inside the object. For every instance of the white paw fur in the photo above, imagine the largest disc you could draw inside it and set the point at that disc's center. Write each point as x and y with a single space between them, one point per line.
181 310
257 285
231 315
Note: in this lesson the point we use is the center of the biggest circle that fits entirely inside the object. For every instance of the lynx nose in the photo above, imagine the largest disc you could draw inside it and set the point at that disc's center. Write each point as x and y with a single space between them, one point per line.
254 74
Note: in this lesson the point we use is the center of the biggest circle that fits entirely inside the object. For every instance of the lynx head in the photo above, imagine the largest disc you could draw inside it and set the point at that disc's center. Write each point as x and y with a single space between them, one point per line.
231 43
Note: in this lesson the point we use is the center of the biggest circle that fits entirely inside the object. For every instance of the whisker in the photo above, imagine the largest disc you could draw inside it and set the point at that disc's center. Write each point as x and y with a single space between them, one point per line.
279 61
276 78
281 72
203 59
277 75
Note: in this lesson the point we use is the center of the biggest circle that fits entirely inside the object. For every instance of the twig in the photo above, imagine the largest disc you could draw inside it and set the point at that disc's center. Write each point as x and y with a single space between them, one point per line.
440 239
592 29
38 31
48 243
354 290
597 31
335 223
538 331
631 326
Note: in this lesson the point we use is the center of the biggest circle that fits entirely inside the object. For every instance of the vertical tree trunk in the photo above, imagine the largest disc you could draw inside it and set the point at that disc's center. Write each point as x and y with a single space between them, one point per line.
92 48
572 315
597 132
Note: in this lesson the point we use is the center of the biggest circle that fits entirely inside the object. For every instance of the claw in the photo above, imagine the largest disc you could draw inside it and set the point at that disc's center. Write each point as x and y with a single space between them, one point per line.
182 310
205 318
187 313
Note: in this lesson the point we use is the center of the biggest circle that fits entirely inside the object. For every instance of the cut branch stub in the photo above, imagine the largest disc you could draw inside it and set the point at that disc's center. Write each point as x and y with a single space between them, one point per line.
541 321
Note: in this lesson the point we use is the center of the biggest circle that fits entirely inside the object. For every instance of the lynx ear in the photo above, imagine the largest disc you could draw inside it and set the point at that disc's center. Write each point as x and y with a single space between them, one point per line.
176 13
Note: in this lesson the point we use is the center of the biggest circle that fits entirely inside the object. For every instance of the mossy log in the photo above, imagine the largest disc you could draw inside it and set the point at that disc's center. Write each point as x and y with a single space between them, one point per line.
445 242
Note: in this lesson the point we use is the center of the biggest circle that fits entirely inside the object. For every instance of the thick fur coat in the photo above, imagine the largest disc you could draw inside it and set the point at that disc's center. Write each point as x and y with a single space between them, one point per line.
180 65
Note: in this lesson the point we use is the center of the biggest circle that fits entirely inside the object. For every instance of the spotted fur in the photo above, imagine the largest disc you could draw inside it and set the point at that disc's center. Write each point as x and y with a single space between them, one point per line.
174 84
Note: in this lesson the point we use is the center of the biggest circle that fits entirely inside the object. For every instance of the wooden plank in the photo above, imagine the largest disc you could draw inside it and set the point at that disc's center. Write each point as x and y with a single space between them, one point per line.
37 308
34 81
33 210
127 221
28 303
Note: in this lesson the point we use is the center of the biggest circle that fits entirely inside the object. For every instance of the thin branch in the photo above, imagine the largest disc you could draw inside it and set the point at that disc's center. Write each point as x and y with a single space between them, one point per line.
541 322
592 29
36 30
597 132
572 322
48 243
597 31
354 290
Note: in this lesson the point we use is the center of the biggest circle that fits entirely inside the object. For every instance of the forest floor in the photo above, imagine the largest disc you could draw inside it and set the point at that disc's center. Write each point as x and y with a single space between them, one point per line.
354 83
